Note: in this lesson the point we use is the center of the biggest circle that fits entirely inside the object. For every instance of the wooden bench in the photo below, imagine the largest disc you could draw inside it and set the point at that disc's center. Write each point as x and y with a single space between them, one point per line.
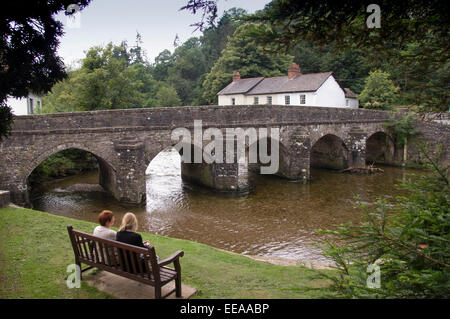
140 264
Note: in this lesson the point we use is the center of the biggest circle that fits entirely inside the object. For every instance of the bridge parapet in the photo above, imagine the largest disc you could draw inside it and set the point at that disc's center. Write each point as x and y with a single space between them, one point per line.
218 116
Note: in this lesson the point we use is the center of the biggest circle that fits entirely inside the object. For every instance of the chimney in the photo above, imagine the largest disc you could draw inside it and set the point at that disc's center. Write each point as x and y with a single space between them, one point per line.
293 70
236 76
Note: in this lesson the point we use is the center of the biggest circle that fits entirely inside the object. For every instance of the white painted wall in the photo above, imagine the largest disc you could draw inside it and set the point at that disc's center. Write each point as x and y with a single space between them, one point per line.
352 103
329 94
20 106
226 99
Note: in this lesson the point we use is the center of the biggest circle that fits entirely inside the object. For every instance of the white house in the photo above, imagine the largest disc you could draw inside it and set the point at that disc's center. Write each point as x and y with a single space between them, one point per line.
26 105
314 89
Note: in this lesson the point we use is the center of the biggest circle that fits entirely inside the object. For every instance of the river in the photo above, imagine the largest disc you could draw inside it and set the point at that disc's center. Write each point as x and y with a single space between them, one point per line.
277 218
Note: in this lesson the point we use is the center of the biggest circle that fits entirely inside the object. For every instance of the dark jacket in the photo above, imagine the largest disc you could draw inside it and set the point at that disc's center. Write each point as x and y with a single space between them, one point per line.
130 238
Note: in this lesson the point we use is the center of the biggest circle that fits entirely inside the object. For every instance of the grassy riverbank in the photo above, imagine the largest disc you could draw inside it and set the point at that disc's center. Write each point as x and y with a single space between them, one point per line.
35 251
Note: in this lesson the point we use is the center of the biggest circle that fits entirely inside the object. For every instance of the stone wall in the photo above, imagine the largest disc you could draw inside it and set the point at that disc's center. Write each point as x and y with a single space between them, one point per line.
4 198
437 136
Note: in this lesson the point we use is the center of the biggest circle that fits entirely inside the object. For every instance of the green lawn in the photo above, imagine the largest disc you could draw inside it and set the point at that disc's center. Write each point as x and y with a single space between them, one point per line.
35 251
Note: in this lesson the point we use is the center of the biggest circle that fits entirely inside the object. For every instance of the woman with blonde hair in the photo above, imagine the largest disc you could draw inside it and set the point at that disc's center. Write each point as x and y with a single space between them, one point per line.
127 232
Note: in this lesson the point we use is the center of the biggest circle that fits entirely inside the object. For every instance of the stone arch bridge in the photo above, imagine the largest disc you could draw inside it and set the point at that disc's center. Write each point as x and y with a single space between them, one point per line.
125 141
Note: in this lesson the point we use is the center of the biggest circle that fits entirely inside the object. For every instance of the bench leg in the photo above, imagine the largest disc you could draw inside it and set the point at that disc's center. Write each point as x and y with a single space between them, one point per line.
157 292
178 285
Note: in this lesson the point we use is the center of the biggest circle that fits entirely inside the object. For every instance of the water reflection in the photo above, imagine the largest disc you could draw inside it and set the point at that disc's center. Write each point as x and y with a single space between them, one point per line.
277 218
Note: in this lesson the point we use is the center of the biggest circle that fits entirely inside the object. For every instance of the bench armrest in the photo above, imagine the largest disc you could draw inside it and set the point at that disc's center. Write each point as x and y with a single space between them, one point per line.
172 258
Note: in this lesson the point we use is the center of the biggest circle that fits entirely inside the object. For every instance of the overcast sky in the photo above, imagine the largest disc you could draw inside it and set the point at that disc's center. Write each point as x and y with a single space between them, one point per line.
158 22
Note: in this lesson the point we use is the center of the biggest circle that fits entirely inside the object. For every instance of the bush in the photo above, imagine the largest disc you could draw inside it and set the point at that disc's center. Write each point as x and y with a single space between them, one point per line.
64 163
379 91
407 238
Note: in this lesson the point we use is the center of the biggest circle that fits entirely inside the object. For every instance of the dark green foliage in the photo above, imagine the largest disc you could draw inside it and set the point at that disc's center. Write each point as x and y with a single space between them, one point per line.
110 77
6 120
244 55
423 81
187 67
408 238
411 43
64 163
29 37
167 96
350 67
402 129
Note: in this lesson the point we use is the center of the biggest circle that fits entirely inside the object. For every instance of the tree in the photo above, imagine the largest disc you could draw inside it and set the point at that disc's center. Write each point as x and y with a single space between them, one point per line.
167 96
424 24
350 68
161 66
379 91
29 38
422 82
187 68
243 54
107 79
407 238
290 21
137 53
215 37
401 131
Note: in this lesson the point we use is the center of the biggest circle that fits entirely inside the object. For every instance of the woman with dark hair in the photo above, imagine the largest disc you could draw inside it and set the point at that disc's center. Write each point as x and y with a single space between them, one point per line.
106 220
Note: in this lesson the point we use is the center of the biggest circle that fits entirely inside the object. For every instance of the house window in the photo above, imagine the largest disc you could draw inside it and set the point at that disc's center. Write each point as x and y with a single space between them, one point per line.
31 106
346 102
256 100
287 99
233 101
269 100
302 99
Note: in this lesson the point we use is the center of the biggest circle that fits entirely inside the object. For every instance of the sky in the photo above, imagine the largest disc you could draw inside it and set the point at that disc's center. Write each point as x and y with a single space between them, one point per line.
158 22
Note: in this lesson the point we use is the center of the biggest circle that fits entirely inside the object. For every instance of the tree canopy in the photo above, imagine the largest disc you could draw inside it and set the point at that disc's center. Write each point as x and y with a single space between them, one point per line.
29 37
412 35
110 77
379 91
243 54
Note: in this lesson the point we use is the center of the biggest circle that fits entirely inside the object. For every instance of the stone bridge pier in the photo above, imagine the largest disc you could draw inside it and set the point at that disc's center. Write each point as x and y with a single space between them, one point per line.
357 147
226 173
127 183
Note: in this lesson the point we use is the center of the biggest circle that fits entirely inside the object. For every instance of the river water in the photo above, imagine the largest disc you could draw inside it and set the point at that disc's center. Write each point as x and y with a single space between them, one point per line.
277 218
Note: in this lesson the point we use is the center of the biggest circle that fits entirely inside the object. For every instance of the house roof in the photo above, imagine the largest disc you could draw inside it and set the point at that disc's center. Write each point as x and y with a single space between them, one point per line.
241 86
349 93
281 84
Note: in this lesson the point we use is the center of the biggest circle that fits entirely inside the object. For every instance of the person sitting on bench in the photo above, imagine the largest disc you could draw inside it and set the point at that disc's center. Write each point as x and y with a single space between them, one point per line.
127 232
106 220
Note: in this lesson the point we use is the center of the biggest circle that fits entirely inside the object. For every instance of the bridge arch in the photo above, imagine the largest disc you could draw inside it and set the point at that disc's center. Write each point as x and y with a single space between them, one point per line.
283 155
107 170
380 148
329 151
42 156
